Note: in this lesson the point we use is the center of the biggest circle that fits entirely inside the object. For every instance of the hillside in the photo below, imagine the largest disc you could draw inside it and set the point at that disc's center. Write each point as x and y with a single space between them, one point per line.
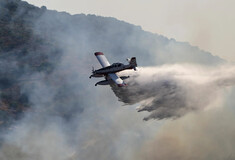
45 54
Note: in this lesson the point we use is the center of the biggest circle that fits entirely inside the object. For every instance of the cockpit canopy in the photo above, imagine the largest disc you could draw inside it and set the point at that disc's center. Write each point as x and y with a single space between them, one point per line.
117 64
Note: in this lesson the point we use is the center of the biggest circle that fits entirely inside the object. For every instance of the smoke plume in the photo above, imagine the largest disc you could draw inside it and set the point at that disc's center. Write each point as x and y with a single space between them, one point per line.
172 91
201 136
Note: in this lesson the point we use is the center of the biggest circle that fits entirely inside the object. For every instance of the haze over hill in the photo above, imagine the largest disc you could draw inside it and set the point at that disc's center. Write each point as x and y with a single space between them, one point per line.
46 58
36 41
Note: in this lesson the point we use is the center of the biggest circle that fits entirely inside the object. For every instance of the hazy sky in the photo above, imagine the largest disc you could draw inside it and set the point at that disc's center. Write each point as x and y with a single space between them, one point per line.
209 24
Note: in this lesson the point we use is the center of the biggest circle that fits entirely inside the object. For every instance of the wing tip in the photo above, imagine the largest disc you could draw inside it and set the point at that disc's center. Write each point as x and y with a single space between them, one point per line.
122 85
98 53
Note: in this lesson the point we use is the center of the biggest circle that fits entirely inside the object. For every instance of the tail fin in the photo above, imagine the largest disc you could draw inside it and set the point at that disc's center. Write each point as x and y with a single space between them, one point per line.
133 63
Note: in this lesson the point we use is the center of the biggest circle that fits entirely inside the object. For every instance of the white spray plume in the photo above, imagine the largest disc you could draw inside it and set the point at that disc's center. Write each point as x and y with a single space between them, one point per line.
172 91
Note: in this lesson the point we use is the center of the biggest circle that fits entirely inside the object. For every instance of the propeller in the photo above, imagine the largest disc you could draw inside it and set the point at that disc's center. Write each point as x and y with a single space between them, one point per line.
92 71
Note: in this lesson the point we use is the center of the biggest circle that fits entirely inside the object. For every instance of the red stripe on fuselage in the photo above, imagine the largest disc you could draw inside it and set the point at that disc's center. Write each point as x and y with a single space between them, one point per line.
122 85
98 53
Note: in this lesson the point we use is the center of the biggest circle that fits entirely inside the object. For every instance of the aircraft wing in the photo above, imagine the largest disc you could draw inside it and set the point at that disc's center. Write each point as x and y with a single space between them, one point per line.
117 79
102 59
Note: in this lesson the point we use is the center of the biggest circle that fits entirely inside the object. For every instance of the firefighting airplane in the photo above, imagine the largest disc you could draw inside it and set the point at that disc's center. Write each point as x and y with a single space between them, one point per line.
109 71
